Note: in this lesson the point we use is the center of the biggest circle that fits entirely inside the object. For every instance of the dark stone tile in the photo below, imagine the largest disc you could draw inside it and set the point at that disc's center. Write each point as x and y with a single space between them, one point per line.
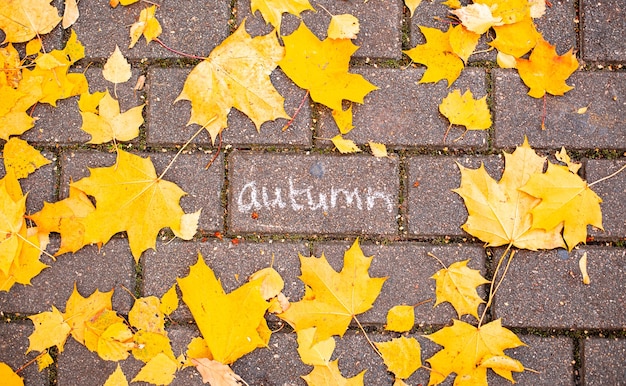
613 194
602 30
605 362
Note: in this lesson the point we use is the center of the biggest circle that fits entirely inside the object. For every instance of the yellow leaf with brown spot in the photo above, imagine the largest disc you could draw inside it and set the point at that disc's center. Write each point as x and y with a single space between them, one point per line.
22 158
344 26
146 315
321 66
11 223
236 74
22 20
438 56
10 71
546 71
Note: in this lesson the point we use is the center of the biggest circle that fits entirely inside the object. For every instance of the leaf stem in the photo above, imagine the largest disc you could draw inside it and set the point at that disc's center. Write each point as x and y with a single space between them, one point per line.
297 111
217 153
367 337
183 148
609 176
439 260
176 51
493 289
30 362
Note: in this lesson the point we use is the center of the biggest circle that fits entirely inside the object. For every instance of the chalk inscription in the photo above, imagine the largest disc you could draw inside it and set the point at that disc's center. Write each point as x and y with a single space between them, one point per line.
254 197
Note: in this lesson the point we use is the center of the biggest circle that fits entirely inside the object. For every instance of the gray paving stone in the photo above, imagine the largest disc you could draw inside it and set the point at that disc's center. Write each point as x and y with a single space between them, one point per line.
601 126
605 362
315 193
13 345
112 267
40 185
167 120
412 283
380 23
232 263
79 366
558 26
602 31
186 172
613 194
194 27
403 113
62 124
545 290
433 210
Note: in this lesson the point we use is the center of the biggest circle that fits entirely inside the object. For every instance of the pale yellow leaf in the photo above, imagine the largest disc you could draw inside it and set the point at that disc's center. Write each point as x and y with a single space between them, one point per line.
116 69
506 60
378 149
344 145
582 264
70 14
412 5
344 26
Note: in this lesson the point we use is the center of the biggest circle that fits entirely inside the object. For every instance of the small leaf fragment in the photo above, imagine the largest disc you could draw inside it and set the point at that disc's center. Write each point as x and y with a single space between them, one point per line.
159 371
412 5
457 285
10 377
343 119
379 150
117 378
117 69
314 354
582 264
70 13
344 145
344 26
169 301
562 156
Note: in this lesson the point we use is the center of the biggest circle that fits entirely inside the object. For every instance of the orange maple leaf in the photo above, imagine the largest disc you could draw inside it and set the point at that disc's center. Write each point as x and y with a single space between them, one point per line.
546 71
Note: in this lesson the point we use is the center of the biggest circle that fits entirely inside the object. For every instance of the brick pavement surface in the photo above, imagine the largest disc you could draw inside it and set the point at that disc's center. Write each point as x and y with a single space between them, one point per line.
272 195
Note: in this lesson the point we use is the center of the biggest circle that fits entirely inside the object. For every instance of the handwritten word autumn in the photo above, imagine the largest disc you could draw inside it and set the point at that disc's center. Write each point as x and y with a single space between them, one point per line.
301 198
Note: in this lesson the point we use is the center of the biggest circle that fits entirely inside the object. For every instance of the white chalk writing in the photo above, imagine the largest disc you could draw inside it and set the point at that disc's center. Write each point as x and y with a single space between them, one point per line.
309 198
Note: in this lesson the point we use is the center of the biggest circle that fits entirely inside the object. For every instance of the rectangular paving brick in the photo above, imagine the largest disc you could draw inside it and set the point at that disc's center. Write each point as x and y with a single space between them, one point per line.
110 268
203 186
167 121
13 345
412 283
613 194
380 22
194 27
62 124
405 113
433 210
601 126
558 26
602 30
232 263
605 361
307 194
40 185
545 290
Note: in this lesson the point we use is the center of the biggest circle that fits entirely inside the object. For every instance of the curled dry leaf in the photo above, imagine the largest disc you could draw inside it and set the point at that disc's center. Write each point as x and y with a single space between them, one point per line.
215 373
582 264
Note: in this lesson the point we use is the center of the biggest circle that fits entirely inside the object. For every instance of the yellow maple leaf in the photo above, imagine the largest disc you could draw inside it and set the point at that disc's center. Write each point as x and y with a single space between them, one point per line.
499 213
509 11
111 124
10 377
236 74
457 285
344 145
109 336
148 344
272 10
26 264
117 69
89 102
334 298
13 117
22 158
516 39
65 217
467 351
344 26
466 111
314 354
216 373
146 315
79 310
228 322
22 20
50 330
546 71
11 224
131 197
403 356
565 199
147 25
159 371
438 56
400 318
331 376
117 378
321 66
463 42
